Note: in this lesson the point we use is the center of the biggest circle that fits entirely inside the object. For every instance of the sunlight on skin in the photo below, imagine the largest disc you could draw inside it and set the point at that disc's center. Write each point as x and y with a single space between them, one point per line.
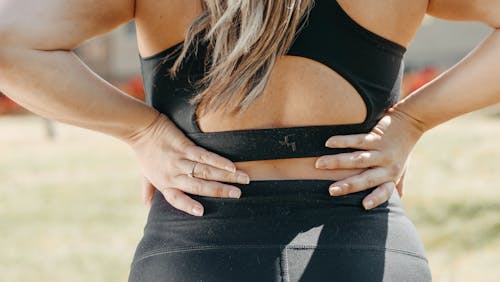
81 196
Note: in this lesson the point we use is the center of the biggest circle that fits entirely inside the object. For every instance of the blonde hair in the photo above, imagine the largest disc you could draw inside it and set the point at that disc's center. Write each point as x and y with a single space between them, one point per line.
245 37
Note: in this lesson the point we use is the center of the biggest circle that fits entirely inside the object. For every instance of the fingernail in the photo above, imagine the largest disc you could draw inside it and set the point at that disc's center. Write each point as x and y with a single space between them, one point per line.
369 205
243 178
329 143
235 193
230 168
197 210
320 163
335 190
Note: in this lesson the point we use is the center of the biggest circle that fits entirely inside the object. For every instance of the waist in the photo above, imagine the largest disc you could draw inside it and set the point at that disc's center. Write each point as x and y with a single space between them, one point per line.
280 153
290 169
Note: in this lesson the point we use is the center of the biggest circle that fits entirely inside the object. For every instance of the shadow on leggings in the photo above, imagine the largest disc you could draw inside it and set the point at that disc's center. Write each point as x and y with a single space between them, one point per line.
286 230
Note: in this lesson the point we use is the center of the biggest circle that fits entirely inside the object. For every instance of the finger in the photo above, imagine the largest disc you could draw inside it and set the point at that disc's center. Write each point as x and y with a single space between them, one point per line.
358 141
197 186
207 172
148 191
201 155
182 202
379 196
367 179
359 159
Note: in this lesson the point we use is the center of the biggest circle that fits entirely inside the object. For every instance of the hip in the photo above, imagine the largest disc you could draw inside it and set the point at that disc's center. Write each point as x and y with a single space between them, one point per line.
281 230
283 213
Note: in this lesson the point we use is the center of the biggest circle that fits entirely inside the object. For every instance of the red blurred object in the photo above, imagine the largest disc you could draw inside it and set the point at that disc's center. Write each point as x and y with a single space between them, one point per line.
416 79
133 86
7 106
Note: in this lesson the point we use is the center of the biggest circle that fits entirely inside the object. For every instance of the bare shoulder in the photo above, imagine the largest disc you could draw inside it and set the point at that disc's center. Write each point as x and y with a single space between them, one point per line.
60 24
485 11
162 23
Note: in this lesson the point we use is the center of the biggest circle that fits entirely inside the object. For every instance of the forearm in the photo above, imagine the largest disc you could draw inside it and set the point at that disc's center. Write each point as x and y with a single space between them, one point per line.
472 84
57 85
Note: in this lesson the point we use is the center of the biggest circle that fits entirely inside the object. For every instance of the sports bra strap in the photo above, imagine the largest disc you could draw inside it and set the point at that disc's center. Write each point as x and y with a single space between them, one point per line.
275 143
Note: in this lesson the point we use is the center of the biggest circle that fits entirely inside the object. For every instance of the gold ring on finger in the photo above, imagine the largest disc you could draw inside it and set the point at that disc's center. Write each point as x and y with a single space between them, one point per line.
191 174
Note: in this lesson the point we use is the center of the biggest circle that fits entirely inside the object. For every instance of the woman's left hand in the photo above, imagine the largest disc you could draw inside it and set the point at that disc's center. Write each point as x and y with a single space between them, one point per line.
384 155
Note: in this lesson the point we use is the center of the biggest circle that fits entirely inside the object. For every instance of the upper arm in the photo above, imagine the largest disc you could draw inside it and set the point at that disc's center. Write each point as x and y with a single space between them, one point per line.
59 24
485 11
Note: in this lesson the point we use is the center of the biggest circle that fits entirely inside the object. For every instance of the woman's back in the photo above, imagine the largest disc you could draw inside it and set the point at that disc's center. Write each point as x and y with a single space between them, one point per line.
301 91
278 230
286 230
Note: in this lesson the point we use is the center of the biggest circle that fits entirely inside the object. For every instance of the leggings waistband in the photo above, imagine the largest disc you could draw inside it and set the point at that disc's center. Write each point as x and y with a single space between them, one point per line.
292 187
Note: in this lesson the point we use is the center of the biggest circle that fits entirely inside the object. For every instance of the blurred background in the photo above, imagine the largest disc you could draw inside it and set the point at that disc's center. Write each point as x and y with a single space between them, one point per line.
70 204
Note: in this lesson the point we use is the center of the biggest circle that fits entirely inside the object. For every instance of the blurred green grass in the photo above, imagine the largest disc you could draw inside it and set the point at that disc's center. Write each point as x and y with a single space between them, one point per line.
70 209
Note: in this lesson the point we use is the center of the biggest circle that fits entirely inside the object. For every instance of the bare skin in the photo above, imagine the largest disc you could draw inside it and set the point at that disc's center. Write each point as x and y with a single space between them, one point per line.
471 84
330 98
71 93
300 92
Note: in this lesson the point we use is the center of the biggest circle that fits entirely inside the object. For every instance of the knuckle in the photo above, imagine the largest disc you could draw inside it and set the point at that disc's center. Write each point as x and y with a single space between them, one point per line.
361 159
201 158
331 161
370 182
231 177
204 156
204 172
220 192
348 186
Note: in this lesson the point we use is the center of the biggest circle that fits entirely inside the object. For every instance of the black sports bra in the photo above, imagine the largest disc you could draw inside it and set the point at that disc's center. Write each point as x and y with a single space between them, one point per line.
372 64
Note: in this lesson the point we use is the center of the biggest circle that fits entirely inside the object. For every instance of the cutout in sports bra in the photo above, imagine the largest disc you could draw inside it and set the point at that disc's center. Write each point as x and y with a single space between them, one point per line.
348 50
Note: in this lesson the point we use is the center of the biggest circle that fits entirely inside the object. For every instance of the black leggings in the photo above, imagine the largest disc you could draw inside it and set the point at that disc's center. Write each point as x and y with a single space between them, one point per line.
280 230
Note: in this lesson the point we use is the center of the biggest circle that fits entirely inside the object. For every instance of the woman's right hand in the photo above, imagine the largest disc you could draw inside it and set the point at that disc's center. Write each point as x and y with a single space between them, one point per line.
383 153
167 158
